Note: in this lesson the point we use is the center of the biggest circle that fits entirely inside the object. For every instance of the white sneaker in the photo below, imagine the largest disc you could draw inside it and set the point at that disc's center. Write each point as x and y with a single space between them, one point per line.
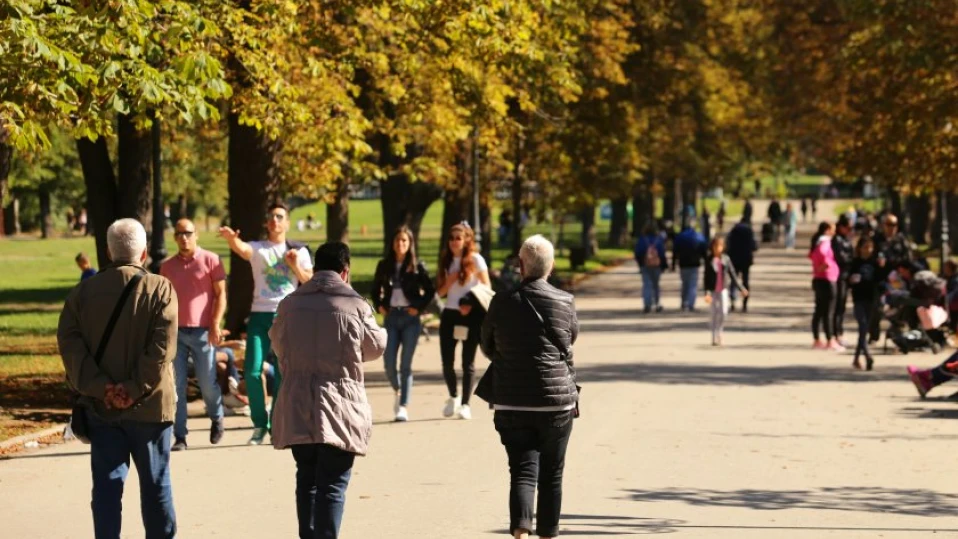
465 412
233 383
452 407
402 414
259 435
396 405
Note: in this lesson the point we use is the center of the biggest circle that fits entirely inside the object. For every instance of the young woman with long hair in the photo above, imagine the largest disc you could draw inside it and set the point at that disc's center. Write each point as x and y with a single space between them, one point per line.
825 275
401 291
864 276
461 269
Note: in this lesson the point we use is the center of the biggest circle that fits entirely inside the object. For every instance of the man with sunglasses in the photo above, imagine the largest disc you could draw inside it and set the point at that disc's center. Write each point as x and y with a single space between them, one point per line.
278 267
893 249
199 280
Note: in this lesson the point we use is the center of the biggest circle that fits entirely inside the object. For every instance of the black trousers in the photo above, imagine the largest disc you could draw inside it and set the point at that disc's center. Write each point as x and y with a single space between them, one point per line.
841 300
744 273
824 308
447 350
536 444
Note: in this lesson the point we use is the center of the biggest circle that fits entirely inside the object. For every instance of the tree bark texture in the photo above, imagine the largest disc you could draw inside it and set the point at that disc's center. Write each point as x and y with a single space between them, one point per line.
619 227
643 207
43 193
588 239
6 162
134 159
918 208
253 183
11 216
101 191
669 200
337 214
405 202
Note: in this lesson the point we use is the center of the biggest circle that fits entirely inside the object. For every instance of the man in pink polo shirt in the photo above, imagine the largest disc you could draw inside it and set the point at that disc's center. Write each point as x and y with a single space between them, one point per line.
200 283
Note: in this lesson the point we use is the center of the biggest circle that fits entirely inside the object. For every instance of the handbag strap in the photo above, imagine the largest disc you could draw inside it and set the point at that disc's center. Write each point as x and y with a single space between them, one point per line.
117 310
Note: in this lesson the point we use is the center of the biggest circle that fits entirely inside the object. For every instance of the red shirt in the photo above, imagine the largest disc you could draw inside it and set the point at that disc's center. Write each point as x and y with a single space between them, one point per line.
193 281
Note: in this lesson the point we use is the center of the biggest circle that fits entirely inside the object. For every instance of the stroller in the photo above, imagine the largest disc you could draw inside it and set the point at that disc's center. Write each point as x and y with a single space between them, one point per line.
917 319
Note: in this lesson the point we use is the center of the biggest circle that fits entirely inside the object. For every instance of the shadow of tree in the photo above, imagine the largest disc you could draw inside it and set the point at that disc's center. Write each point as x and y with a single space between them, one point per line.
913 502
697 374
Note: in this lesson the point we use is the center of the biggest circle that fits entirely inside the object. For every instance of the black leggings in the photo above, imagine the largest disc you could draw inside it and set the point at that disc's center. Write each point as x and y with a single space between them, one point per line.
447 349
841 301
824 307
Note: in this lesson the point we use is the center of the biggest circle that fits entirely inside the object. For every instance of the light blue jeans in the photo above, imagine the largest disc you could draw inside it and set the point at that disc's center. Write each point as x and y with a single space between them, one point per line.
790 238
403 329
651 293
690 286
195 342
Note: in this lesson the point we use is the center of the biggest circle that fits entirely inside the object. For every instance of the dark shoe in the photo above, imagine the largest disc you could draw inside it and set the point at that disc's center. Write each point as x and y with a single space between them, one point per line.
216 431
731 308
647 310
179 445
659 309
869 362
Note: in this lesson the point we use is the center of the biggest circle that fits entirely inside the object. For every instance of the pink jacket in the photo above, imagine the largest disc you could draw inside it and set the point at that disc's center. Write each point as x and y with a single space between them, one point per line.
822 257
322 334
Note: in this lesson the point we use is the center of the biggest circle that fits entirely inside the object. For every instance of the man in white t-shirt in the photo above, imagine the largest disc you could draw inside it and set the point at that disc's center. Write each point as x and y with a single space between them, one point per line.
279 266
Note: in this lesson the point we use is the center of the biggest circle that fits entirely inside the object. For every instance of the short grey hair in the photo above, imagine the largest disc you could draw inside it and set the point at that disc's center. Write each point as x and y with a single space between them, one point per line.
537 255
126 240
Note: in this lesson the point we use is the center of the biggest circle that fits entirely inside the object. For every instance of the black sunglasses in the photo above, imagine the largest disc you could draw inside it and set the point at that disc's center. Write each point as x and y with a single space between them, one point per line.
183 234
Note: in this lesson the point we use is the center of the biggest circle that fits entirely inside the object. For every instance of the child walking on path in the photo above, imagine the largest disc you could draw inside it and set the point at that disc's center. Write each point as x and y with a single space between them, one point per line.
863 276
720 275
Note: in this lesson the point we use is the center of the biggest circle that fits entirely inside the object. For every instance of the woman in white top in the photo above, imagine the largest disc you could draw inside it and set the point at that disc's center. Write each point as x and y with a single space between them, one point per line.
461 268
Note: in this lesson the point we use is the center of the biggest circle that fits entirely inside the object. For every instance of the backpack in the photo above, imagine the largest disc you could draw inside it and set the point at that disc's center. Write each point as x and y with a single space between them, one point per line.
652 259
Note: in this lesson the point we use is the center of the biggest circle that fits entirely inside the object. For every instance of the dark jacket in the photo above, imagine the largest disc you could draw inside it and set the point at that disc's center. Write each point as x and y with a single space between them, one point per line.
741 245
864 277
775 212
844 253
896 250
711 276
688 249
528 370
417 286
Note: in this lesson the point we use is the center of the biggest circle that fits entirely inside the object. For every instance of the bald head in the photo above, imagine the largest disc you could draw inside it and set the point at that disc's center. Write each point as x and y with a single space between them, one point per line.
185 235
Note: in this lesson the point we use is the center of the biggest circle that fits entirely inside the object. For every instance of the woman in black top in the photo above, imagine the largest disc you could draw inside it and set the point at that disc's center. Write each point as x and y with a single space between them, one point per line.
864 276
401 291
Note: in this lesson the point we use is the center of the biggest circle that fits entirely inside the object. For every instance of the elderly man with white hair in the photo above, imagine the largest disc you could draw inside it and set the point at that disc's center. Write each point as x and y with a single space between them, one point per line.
528 335
117 338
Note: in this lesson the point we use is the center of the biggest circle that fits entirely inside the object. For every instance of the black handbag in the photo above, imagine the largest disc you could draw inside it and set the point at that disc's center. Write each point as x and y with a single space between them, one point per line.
79 421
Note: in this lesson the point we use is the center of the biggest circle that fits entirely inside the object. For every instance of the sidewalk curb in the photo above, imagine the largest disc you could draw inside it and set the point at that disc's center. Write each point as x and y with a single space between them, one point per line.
18 443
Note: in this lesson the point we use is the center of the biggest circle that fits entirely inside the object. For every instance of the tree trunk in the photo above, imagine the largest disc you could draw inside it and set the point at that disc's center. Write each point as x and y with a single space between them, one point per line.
953 222
689 202
485 217
619 227
134 158
918 208
455 210
337 214
43 193
587 240
11 216
643 207
101 191
405 203
253 183
6 161
669 200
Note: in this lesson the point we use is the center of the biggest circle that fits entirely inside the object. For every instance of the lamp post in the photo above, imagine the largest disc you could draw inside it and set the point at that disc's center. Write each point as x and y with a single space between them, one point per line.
157 239
943 196
477 224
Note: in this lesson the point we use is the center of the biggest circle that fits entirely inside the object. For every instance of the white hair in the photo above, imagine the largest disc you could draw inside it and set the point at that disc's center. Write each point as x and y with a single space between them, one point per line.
537 255
126 241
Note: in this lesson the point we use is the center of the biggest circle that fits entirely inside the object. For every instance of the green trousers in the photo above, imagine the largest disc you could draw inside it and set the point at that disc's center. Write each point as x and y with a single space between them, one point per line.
257 350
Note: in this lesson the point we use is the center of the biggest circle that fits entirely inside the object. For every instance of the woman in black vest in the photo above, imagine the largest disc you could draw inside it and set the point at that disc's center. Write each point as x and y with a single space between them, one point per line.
401 291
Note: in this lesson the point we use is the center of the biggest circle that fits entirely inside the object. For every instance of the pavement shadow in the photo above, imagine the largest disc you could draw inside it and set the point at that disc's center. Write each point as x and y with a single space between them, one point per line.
911 502
718 375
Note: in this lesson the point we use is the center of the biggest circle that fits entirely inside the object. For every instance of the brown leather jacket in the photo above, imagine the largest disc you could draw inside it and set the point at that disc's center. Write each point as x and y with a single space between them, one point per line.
140 352
322 334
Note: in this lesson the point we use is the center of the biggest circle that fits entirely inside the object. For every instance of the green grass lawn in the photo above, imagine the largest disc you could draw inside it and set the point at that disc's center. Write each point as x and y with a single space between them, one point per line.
36 276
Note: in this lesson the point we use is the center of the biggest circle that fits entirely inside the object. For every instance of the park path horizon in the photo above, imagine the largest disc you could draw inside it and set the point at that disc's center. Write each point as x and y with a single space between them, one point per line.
761 438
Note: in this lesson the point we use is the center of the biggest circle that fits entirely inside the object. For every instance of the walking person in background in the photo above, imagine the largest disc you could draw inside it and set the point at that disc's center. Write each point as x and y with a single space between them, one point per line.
814 207
126 386
844 254
804 210
706 219
402 290
825 271
864 279
528 335
775 218
741 247
720 276
279 266
791 226
200 283
650 256
720 216
688 252
323 333
461 269
86 268
747 211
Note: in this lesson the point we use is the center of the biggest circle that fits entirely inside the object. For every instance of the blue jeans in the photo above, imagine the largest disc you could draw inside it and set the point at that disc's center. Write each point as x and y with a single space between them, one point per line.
322 475
690 286
195 342
403 329
111 445
651 292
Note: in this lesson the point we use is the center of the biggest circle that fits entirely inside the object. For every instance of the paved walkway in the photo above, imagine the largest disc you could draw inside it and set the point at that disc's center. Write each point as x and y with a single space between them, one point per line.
762 438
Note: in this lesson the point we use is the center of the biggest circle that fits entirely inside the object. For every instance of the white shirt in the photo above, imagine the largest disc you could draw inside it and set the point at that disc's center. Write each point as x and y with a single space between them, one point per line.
398 298
273 279
457 291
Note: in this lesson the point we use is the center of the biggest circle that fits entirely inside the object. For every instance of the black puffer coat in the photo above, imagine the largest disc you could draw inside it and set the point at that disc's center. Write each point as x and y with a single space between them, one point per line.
528 369
416 286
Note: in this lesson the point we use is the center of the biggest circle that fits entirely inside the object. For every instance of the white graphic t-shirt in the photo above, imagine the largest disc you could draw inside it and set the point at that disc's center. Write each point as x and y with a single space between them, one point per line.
273 279
458 290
